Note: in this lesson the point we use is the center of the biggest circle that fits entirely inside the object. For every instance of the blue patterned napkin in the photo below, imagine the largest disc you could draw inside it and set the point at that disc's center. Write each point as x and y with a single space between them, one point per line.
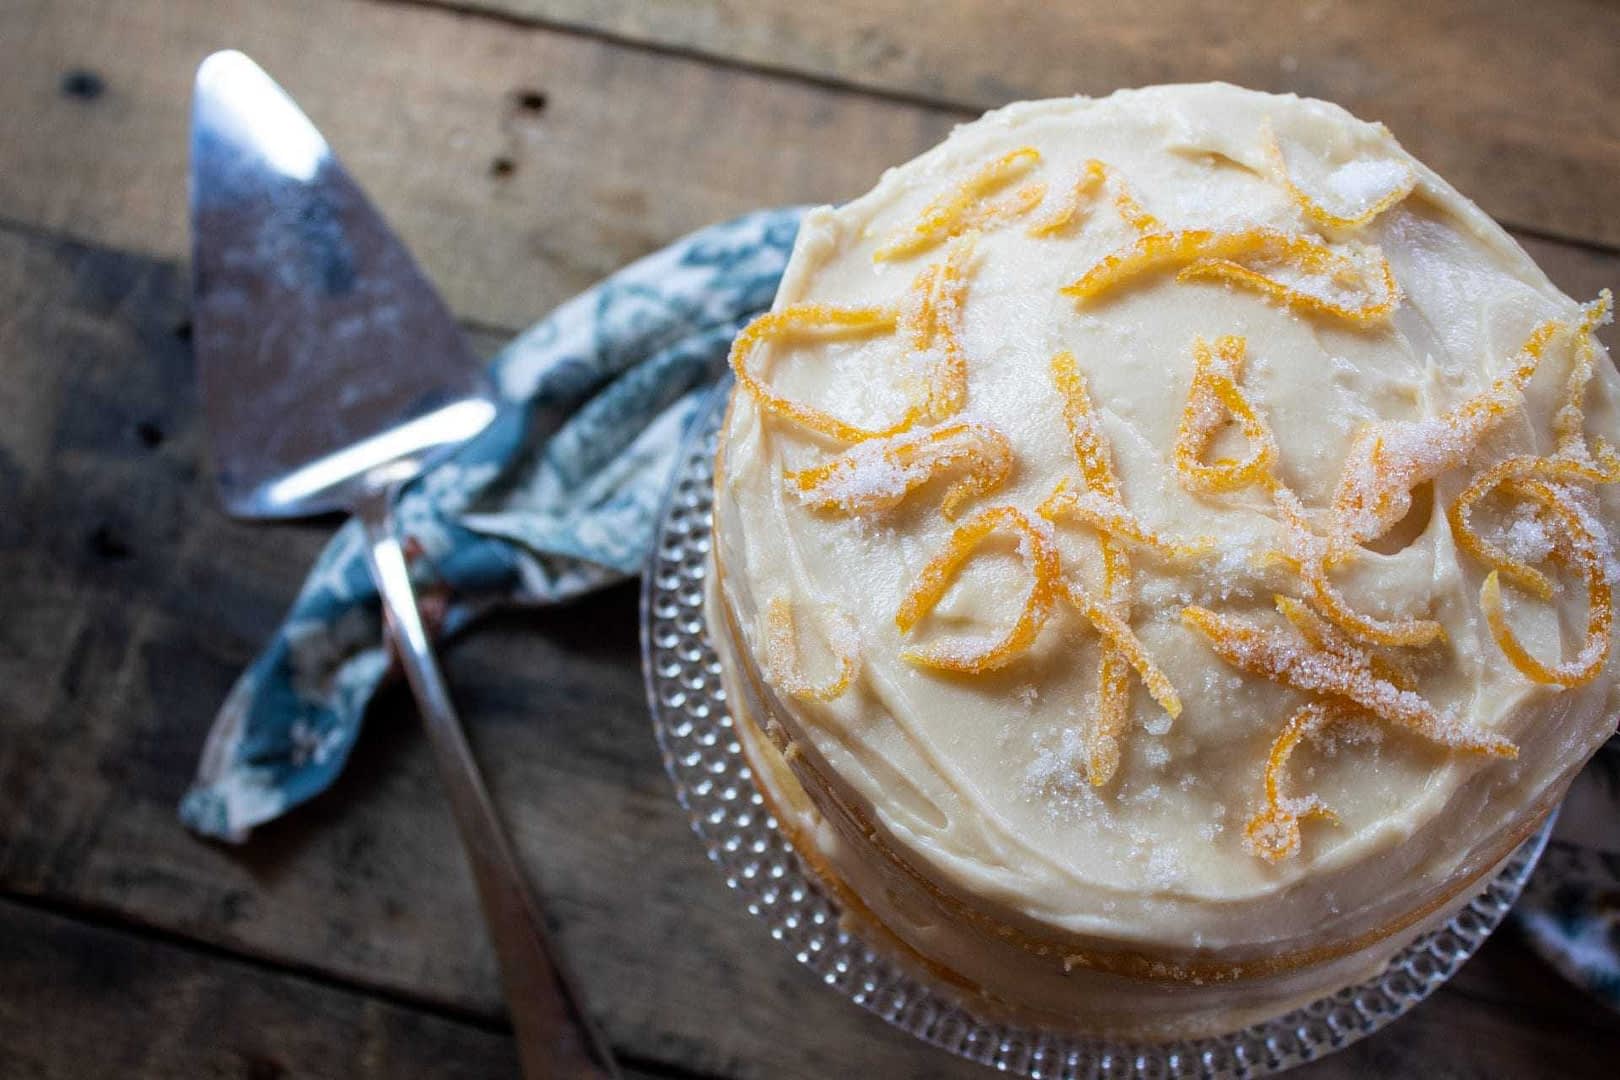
520 519
1570 911
515 518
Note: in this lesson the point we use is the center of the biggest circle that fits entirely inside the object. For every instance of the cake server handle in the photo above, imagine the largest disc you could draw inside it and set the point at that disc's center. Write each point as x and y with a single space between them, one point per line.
555 1035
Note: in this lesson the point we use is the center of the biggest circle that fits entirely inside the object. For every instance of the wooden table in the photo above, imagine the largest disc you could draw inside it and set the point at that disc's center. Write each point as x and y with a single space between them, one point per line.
524 148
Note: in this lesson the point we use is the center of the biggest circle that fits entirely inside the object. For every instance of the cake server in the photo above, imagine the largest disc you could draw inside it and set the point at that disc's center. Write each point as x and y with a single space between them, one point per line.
331 375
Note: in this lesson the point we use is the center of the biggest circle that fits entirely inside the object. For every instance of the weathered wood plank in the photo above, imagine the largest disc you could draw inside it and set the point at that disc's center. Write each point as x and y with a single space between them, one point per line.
1513 102
132 603
527 181
519 164
80 1002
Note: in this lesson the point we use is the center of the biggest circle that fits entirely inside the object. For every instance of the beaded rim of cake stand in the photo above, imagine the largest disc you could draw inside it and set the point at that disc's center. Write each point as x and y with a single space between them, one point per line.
713 781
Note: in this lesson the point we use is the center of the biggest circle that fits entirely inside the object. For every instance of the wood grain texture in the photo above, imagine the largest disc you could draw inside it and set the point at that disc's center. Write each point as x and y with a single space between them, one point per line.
538 161
1512 102
132 603
81 1002
510 208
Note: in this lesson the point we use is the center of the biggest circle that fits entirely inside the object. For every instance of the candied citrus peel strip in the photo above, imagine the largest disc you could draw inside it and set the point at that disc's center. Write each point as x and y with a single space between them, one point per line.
1569 421
1274 833
1581 549
1112 714
1311 556
1216 397
1080 416
1507 475
1394 632
1321 634
1113 523
937 576
1544 481
782 652
818 320
1390 459
1153 253
1092 178
1111 519
1327 219
1131 210
1119 634
933 317
879 473
1346 675
1233 256
965 207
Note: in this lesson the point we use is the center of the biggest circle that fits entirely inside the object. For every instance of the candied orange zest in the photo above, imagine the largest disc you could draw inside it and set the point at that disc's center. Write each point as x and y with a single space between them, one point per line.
1345 675
1110 518
782 652
942 570
1215 398
1091 453
1321 634
1580 548
1321 215
879 473
1574 541
824 320
1118 633
1569 421
1092 178
1307 622
1102 506
1382 292
1507 474
1310 556
965 207
1390 459
1113 712
1079 415
1274 833
933 320
1153 253
1233 257
1132 211
1397 632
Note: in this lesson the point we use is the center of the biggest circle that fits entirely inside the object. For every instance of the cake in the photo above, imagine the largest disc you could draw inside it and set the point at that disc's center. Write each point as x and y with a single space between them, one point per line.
1160 557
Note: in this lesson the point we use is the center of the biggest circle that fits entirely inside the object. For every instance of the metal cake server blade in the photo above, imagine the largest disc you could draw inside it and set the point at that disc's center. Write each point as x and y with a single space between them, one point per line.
326 357
332 374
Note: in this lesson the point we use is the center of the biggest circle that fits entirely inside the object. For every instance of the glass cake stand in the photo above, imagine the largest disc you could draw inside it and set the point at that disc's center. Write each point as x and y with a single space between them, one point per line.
714 783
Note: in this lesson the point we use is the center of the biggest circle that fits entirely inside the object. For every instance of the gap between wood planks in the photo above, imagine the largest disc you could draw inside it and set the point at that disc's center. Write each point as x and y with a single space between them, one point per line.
540 160
471 9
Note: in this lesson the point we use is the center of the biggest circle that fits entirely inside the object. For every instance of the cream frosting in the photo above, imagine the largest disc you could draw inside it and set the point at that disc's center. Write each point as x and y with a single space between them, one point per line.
977 783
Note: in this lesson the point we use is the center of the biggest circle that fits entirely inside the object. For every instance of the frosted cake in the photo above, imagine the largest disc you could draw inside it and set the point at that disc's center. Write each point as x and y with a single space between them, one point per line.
1160 555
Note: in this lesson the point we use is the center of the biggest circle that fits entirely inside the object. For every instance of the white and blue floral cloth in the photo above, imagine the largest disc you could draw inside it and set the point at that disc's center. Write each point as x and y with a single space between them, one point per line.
519 518
1570 911
514 518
